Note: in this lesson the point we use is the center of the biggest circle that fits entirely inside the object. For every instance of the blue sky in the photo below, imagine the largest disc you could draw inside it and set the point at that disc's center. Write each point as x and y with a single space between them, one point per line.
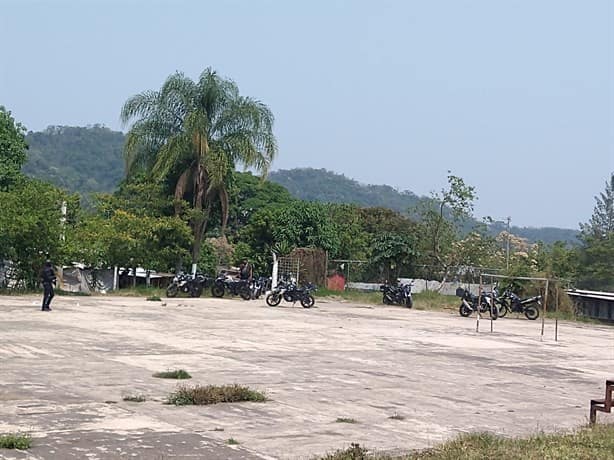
516 97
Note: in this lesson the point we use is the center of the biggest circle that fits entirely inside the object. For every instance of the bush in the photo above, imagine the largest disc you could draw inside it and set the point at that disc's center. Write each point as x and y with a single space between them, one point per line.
179 374
213 394
15 441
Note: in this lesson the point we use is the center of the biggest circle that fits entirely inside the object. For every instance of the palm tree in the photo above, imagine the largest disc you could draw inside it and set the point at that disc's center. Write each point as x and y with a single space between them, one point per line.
195 133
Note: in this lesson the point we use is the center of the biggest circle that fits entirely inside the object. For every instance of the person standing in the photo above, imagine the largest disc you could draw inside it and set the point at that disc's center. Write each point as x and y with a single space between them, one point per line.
246 272
48 277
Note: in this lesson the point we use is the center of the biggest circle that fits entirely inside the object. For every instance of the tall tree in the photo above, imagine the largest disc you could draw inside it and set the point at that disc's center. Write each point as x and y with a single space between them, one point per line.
12 149
602 221
194 133
597 252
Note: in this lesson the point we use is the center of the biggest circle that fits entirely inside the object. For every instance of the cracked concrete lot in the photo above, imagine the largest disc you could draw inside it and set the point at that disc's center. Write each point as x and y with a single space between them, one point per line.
63 375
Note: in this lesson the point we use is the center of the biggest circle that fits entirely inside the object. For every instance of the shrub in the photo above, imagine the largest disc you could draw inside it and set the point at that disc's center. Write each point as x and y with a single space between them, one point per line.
179 374
212 394
15 441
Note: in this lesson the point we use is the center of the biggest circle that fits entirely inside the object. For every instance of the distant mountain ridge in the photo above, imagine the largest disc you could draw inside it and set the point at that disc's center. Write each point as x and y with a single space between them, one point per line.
327 186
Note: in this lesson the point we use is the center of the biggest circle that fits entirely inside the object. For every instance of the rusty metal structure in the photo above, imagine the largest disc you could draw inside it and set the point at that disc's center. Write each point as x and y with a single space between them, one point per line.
602 405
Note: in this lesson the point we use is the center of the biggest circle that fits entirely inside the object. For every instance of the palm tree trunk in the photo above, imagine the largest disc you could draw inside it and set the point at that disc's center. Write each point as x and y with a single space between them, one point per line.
224 202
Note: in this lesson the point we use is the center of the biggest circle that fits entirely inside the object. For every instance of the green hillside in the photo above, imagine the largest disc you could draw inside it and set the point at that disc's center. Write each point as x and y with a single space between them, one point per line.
78 159
326 186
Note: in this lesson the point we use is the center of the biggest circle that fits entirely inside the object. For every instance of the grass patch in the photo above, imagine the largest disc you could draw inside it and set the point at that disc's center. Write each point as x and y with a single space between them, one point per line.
178 374
213 394
15 441
134 398
586 443
345 420
154 298
232 442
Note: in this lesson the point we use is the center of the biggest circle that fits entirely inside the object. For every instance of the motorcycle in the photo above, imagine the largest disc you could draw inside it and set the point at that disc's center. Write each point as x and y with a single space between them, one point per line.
259 286
487 302
511 302
399 294
187 284
234 286
290 292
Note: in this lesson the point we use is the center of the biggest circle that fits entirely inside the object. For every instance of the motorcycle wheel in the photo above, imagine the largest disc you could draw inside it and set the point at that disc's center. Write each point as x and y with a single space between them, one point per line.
196 291
245 293
409 302
172 290
464 310
503 311
217 290
308 301
531 312
386 300
273 299
494 312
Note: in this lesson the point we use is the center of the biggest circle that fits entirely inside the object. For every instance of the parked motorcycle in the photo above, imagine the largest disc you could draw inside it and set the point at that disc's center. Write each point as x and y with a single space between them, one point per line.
225 283
290 292
510 302
487 302
399 294
188 284
259 286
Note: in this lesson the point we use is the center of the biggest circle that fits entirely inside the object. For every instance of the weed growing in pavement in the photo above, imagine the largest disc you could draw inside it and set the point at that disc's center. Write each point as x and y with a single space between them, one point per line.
15 441
178 374
213 394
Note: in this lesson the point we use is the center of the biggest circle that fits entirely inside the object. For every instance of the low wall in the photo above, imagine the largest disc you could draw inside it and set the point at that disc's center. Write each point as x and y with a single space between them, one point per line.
420 285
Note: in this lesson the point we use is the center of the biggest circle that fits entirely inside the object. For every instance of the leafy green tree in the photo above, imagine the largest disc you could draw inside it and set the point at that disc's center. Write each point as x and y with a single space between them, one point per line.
195 133
248 193
393 253
12 149
601 223
31 227
597 252
125 239
441 220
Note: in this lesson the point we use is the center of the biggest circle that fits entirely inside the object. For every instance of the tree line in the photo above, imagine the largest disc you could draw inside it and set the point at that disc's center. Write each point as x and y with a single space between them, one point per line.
183 204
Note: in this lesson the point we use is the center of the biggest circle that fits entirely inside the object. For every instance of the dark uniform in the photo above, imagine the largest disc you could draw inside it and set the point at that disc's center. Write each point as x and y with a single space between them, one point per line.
48 278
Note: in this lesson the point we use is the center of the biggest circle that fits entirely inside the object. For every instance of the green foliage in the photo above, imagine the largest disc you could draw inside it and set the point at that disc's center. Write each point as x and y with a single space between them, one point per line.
282 228
193 134
440 221
31 228
127 240
214 394
595 263
179 374
12 149
15 441
248 193
601 223
394 253
597 251
345 420
84 160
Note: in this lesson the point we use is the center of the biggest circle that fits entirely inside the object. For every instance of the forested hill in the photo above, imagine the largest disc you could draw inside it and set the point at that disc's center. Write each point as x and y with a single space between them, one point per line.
326 186
322 185
79 159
